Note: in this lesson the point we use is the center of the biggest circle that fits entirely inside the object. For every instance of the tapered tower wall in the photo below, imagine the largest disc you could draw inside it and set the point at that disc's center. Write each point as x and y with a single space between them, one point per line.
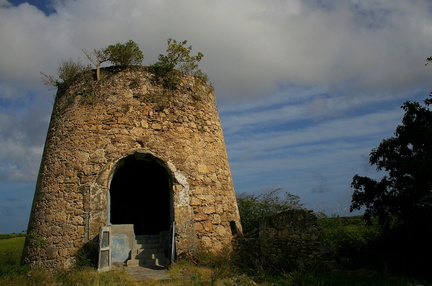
98 126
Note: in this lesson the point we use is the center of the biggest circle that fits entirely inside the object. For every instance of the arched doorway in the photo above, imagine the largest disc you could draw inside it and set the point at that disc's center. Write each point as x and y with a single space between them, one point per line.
140 194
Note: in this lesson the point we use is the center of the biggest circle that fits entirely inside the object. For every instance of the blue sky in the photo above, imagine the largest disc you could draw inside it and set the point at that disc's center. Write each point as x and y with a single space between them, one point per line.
306 88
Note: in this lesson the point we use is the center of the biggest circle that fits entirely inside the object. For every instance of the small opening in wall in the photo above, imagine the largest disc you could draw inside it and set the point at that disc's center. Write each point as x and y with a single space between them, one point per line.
234 229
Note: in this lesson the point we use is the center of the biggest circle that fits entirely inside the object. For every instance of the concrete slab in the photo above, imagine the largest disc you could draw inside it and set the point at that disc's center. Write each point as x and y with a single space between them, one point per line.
141 273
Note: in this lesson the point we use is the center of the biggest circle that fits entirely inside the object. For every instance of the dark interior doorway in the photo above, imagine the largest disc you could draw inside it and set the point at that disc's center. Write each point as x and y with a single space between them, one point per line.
140 195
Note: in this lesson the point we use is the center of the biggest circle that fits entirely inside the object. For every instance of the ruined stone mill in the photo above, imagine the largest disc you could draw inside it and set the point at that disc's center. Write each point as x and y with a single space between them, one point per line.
126 160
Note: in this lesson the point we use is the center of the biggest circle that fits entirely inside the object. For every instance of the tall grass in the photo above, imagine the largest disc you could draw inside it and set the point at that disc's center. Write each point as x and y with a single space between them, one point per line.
204 268
12 273
10 254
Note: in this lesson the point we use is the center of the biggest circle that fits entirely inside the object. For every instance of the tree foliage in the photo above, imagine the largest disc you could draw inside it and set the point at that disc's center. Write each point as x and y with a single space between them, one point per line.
271 201
166 70
177 57
127 54
119 55
403 197
66 73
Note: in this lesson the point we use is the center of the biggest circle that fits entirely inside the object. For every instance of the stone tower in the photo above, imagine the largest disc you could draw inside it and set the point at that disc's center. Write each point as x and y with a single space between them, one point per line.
125 150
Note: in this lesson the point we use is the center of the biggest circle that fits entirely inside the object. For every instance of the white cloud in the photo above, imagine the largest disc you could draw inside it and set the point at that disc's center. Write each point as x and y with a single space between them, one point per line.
250 46
4 4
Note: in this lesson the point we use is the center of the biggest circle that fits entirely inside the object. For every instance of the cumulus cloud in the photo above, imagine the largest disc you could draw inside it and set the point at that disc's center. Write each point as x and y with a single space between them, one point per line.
4 4
250 46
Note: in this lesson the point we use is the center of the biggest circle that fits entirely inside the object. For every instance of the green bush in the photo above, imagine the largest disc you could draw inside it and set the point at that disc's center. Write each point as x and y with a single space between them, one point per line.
67 72
127 54
177 57
164 73
11 235
356 245
271 201
352 242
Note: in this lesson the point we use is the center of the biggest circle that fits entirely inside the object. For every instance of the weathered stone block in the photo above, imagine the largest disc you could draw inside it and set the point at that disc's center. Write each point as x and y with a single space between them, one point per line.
52 252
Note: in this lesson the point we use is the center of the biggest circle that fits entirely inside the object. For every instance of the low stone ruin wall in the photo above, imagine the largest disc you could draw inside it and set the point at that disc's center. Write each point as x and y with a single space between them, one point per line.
291 239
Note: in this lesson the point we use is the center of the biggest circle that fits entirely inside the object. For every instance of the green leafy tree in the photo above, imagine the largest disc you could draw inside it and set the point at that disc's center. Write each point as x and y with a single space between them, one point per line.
403 197
177 57
402 200
119 55
127 54
272 200
67 71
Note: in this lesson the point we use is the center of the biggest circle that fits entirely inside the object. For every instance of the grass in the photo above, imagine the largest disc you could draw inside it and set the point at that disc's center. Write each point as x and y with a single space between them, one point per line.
208 269
10 249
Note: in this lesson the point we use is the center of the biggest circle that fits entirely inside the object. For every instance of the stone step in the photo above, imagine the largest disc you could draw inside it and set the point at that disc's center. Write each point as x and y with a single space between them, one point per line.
148 251
132 262
160 262
145 251
147 245
150 255
147 237
152 263
150 259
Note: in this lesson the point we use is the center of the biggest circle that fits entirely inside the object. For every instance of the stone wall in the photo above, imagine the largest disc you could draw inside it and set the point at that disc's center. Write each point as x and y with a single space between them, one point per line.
94 126
290 239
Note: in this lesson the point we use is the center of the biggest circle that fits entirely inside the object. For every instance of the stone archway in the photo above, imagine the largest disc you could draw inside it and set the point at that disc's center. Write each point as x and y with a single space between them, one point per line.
140 194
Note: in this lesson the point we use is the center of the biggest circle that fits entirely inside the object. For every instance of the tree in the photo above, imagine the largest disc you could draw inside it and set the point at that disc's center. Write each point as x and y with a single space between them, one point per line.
177 57
403 197
270 201
97 58
66 74
125 54
119 55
